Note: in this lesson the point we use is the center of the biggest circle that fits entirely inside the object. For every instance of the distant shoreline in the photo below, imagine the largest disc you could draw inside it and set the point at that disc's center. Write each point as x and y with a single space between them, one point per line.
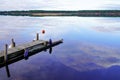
81 13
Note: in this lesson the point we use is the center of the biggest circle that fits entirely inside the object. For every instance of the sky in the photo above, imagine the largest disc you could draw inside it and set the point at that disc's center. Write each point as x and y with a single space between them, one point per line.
58 4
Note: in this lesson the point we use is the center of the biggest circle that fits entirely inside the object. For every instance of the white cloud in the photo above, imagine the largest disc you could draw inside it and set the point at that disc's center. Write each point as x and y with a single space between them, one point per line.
55 4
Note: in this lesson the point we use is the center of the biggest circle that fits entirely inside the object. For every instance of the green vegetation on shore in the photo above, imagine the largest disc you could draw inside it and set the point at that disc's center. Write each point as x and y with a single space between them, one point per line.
84 13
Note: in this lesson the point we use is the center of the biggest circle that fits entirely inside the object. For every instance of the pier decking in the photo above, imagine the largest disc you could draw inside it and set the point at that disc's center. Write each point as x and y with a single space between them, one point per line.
17 53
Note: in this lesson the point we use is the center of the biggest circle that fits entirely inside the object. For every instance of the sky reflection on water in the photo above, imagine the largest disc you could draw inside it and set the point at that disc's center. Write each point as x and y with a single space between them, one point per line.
90 50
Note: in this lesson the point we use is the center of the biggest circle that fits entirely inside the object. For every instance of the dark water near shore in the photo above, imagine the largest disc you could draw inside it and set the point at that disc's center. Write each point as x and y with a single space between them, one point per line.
90 50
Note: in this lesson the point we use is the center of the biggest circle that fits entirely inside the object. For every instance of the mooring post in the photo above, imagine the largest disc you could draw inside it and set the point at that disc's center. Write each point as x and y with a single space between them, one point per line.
5 59
5 53
37 36
50 43
26 54
13 43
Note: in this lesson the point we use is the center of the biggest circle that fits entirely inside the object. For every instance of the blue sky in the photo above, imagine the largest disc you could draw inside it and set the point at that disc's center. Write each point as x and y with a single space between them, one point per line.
58 4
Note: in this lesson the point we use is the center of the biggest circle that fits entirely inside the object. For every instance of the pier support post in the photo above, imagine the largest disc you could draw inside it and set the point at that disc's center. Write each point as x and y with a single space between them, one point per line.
50 43
5 59
45 44
13 43
26 54
37 36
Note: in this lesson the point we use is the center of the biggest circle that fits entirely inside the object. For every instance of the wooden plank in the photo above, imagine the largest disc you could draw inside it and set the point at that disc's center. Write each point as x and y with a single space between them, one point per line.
21 47
17 53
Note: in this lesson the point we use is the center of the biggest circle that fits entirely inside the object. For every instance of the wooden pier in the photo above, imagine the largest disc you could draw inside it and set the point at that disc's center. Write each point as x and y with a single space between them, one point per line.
18 52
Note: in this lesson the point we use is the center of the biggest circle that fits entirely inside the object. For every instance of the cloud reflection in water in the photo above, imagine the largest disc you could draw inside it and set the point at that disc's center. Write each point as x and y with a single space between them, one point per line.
85 54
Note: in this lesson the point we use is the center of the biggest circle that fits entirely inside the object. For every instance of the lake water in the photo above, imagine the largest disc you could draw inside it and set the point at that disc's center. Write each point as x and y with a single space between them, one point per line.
91 48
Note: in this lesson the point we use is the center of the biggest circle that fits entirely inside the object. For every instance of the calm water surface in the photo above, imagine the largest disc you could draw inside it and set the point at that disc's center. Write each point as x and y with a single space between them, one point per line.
91 48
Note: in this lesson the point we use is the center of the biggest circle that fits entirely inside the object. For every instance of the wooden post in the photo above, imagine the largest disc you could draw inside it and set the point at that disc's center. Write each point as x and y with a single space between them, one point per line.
5 53
26 54
5 59
45 44
13 43
37 36
50 43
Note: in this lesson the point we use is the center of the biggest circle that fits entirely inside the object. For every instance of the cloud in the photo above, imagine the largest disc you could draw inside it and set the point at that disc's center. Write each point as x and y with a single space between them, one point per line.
84 56
55 4
112 6
107 29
